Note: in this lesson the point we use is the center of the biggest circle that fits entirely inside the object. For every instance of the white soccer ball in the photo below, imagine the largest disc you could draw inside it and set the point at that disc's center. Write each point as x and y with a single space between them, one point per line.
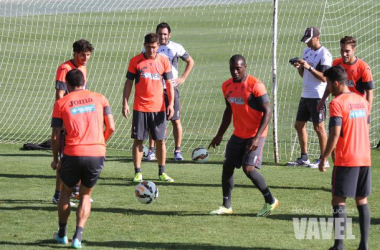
146 192
145 152
200 155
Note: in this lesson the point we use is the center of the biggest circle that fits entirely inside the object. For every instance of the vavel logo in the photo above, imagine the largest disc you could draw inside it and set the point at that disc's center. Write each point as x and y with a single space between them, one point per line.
322 228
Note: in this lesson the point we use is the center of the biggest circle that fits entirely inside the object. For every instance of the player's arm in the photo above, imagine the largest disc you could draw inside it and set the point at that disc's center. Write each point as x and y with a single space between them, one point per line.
335 125
170 91
265 107
316 73
59 93
226 121
369 96
189 66
109 124
126 94
324 98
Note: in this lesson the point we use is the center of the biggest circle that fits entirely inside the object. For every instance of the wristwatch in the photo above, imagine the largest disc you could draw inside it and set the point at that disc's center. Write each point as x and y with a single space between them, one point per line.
311 68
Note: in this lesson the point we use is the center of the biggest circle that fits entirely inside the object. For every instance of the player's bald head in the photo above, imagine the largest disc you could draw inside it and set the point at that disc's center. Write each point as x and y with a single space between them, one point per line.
237 58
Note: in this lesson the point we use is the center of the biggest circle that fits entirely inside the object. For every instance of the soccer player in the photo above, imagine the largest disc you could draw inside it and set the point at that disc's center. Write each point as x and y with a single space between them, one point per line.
88 123
173 51
247 103
149 116
315 60
349 135
82 50
359 74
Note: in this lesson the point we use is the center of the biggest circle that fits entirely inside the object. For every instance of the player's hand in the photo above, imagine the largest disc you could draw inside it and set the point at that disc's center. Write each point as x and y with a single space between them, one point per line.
322 166
178 81
304 64
54 165
170 111
320 106
125 111
215 141
252 144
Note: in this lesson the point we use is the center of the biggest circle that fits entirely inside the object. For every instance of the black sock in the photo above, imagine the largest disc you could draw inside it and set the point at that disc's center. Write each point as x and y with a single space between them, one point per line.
78 233
62 229
227 186
161 169
259 181
304 157
177 149
364 222
137 170
339 211
57 194
153 149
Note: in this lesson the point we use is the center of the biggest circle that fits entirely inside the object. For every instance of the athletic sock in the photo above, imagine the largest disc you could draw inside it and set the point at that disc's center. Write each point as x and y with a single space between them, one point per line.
259 181
153 149
161 169
339 211
304 157
227 186
78 233
177 149
364 222
62 229
137 170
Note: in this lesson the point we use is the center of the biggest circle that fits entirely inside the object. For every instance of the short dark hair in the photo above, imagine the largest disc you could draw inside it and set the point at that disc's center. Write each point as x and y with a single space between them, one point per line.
348 40
236 58
163 26
75 78
336 73
82 45
151 38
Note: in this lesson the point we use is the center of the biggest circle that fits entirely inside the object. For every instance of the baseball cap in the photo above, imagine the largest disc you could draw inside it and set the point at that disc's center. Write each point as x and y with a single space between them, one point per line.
310 32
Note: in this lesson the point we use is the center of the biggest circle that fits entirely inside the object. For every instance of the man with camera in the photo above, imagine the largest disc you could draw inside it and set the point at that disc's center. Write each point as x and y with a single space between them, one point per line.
315 60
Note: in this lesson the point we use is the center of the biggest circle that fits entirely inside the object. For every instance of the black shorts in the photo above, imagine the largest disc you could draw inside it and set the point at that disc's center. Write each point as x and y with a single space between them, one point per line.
351 181
81 168
307 110
177 105
145 122
236 155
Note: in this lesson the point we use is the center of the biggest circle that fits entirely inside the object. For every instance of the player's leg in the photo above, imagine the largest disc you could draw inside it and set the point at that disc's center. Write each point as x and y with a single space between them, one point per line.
302 117
177 127
152 149
92 167
363 191
158 132
318 117
70 175
140 131
58 182
251 162
137 153
233 157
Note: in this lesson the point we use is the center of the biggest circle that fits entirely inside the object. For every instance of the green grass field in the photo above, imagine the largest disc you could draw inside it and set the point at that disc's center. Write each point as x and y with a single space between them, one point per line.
179 218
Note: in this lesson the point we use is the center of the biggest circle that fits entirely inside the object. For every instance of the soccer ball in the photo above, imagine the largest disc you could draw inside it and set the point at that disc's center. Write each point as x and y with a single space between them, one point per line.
200 155
145 152
146 192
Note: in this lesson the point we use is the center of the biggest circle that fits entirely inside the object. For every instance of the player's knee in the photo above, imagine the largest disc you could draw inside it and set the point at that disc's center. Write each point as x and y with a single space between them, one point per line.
319 128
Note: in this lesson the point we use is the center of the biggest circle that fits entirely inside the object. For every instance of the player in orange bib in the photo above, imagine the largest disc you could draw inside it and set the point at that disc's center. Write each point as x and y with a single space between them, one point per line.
82 50
149 115
359 73
349 135
247 104
88 123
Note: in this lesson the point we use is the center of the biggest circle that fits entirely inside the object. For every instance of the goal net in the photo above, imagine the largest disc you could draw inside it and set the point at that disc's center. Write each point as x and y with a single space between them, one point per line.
37 36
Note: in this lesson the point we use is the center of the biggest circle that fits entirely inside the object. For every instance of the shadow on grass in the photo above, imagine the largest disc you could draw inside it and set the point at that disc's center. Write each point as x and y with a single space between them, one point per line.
25 176
138 245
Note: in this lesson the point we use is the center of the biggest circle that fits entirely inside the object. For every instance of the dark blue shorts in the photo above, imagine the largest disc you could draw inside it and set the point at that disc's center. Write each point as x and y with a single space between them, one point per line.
86 169
351 181
307 110
149 122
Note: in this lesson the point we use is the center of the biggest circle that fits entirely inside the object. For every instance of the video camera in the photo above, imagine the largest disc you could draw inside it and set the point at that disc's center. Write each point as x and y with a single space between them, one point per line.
294 60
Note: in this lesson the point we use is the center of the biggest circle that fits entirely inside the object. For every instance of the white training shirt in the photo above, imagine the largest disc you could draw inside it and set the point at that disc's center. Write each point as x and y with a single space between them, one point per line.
320 60
173 51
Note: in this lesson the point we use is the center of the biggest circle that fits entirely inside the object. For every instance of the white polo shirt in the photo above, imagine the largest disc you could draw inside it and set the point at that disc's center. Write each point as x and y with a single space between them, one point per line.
320 60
